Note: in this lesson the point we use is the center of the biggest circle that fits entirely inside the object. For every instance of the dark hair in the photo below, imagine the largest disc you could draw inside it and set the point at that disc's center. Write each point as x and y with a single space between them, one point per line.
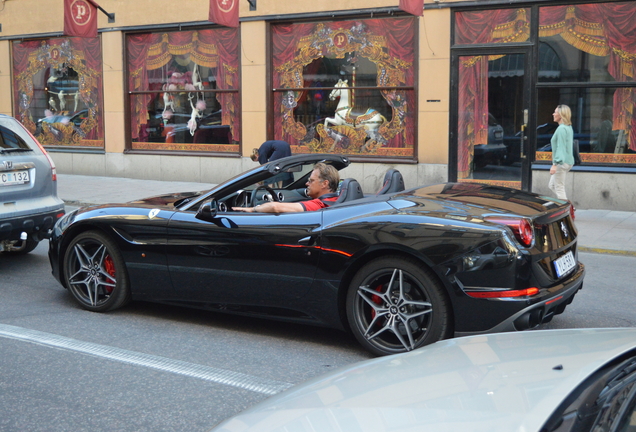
329 173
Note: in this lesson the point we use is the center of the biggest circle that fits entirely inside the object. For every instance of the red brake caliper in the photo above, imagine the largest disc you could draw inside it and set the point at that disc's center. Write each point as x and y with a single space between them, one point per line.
109 266
376 299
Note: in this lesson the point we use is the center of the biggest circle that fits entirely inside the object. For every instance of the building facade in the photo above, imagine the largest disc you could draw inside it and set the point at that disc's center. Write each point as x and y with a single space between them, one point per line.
464 92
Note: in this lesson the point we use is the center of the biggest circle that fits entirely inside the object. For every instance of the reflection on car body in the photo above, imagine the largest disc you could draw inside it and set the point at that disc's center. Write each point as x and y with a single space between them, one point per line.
399 270
540 381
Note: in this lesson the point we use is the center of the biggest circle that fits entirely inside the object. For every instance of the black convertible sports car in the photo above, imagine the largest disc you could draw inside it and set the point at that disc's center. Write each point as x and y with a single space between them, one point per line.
398 269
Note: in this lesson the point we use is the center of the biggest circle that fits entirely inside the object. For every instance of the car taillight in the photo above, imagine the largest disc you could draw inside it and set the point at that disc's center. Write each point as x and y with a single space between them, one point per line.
572 210
53 170
521 228
504 294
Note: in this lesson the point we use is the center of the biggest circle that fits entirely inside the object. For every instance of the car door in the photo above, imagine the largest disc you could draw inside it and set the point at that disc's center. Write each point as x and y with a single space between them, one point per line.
243 258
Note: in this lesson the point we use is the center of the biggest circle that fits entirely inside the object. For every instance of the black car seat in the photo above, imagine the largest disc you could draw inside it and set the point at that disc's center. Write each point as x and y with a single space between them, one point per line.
349 190
393 182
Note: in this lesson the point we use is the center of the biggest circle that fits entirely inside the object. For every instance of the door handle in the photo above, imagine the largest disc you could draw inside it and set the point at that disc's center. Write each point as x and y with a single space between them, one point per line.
307 241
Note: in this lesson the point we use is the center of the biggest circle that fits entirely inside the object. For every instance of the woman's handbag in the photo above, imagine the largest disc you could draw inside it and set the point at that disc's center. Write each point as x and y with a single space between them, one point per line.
575 152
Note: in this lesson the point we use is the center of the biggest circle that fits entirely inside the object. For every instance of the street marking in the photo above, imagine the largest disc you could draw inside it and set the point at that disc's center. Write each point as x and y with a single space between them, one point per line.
220 376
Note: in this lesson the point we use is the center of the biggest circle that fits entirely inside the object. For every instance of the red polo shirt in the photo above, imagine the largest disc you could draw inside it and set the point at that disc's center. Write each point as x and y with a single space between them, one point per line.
319 203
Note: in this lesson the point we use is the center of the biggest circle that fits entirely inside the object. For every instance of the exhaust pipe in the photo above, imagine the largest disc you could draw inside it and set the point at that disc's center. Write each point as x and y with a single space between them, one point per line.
529 320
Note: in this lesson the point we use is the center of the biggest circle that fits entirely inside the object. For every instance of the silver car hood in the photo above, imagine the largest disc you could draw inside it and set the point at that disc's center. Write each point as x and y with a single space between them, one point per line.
498 382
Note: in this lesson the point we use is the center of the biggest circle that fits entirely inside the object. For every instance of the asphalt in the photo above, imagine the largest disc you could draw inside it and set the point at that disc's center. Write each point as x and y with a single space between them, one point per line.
600 231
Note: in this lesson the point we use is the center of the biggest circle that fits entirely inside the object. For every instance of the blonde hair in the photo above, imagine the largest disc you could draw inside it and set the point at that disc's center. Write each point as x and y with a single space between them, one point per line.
254 155
566 114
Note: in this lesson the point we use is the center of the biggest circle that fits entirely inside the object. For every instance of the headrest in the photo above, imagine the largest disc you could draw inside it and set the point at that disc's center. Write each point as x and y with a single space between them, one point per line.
349 190
393 182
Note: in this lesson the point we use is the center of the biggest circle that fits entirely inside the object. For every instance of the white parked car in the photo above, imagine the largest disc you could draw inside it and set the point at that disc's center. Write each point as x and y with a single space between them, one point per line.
548 381
29 205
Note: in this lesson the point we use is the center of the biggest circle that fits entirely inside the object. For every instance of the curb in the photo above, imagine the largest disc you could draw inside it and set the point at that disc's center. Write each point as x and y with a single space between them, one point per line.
606 251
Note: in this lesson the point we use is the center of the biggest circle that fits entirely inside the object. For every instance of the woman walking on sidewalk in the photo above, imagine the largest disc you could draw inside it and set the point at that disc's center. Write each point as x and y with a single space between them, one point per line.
562 156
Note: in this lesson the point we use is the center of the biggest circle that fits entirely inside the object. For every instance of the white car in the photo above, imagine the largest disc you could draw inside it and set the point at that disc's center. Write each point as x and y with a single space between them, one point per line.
548 381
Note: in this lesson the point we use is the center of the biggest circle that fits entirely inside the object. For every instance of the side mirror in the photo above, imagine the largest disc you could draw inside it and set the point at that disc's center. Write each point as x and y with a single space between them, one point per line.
207 212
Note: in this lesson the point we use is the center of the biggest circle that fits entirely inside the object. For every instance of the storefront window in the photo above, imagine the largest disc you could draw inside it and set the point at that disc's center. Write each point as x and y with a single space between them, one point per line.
346 86
595 44
184 90
58 91
599 133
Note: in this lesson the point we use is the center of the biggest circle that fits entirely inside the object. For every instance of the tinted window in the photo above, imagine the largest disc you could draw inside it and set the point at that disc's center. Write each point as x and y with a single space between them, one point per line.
9 140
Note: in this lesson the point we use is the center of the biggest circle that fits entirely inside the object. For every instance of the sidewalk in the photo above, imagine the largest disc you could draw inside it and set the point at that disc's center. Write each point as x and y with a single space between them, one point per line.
600 231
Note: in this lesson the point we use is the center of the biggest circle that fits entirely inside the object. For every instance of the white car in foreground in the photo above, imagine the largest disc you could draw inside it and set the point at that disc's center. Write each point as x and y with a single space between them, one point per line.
549 380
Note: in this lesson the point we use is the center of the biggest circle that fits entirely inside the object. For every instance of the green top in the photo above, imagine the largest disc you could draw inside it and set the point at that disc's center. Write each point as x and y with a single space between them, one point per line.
562 145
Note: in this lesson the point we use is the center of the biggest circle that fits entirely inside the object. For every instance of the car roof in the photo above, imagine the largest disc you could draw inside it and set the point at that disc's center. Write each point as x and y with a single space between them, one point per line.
497 382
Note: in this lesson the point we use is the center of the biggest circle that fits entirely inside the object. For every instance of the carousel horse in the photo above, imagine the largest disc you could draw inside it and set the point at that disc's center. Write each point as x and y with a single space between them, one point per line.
371 120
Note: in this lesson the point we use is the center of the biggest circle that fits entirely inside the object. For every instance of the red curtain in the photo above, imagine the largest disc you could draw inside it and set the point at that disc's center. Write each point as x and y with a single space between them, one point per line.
290 56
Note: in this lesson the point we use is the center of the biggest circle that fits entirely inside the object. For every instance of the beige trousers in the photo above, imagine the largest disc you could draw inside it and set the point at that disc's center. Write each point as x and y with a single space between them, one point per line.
557 181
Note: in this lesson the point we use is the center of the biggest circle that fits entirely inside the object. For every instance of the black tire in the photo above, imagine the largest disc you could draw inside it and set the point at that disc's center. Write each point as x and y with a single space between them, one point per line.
95 272
387 319
30 245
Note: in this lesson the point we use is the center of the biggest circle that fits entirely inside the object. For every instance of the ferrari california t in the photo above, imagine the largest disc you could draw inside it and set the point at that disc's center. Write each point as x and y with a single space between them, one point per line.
399 269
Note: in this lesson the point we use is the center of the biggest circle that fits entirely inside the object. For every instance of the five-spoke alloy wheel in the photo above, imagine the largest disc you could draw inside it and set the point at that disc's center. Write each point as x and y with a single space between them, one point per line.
394 305
95 272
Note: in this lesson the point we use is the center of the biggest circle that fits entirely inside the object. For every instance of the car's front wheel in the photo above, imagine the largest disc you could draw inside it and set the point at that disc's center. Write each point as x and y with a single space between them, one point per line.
95 272
394 305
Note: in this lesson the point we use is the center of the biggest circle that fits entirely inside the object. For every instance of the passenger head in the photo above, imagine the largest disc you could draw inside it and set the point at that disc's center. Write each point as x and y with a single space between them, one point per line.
565 113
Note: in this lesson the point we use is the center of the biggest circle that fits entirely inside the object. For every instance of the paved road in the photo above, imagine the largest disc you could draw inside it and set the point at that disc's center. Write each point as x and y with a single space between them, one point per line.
142 368
162 368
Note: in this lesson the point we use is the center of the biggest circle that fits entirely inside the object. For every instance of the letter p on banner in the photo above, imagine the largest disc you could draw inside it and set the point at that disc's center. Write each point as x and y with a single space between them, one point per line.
80 18
224 12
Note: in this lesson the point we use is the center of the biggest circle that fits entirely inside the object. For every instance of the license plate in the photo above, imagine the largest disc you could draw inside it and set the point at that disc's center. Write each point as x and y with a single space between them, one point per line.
564 264
14 178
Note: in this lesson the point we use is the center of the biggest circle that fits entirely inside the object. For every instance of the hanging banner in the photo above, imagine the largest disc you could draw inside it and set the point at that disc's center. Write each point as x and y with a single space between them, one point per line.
224 12
80 18
414 7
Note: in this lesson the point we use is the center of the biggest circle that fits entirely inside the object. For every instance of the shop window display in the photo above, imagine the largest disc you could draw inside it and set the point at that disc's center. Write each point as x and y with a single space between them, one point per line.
596 44
346 86
184 91
58 91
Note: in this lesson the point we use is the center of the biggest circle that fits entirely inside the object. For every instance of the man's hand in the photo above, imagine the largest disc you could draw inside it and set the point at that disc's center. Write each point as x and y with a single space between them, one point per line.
244 209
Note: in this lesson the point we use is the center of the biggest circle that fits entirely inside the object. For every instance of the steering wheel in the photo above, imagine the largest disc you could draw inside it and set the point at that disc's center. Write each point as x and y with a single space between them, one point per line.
266 188
240 200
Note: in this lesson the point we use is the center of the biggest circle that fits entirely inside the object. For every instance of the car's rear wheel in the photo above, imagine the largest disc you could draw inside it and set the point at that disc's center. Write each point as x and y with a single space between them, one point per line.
95 272
394 305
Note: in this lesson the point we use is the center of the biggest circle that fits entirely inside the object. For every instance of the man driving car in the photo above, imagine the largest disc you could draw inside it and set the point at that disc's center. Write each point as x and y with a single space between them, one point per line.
321 186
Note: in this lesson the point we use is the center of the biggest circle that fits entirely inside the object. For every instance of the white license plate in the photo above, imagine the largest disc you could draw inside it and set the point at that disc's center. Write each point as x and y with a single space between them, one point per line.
564 264
14 178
